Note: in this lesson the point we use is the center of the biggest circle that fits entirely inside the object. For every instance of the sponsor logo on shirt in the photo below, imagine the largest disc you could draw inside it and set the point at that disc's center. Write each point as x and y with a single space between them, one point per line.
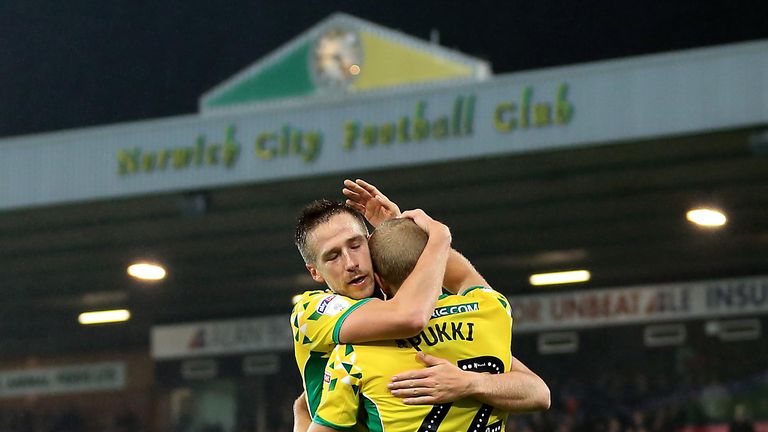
454 309
326 377
332 305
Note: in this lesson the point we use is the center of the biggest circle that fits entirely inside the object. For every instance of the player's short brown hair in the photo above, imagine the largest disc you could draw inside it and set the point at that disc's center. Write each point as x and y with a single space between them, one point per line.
396 246
315 213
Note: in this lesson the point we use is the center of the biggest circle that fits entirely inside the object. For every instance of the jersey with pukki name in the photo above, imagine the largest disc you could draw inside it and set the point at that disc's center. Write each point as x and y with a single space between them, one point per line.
316 320
473 331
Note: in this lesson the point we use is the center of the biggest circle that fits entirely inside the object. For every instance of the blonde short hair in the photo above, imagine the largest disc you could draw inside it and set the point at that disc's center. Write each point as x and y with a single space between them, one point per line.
396 246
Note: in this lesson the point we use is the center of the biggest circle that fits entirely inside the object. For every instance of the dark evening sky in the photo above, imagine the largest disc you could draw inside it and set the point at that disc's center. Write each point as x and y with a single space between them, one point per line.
81 63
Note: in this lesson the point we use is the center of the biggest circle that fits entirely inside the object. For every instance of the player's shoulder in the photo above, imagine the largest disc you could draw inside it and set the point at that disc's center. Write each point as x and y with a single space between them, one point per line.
323 302
480 291
310 295
486 294
303 300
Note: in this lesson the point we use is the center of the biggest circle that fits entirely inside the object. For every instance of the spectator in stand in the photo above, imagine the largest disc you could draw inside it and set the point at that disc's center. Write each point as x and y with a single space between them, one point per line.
614 425
740 421
714 399
638 421
126 420
70 421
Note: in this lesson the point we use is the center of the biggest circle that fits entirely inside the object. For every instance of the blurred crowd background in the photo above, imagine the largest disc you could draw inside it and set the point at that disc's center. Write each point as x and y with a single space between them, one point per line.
612 384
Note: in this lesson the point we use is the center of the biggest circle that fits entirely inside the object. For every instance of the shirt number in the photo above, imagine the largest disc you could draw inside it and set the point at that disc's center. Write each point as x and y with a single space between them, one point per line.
479 423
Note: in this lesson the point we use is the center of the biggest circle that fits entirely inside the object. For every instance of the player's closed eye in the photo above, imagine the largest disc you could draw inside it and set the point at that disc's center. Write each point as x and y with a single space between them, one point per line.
331 257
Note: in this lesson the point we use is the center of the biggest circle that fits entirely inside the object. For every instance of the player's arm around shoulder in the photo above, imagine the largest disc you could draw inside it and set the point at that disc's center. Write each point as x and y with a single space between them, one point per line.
518 391
407 313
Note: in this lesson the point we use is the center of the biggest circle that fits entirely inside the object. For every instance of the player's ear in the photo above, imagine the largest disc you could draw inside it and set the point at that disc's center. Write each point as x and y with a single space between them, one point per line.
381 284
316 276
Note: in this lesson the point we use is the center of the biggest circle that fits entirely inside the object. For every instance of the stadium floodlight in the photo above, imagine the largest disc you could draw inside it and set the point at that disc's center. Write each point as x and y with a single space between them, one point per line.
103 317
147 271
556 278
706 217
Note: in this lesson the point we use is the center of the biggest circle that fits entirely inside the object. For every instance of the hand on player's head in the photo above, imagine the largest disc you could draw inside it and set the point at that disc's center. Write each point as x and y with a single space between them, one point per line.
369 201
423 220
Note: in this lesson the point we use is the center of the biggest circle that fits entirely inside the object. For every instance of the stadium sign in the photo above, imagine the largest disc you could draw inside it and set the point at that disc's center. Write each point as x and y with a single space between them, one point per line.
532 313
286 117
454 121
669 302
65 379
213 338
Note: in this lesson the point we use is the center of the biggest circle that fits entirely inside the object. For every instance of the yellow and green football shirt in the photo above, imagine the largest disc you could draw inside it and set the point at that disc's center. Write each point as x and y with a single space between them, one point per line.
473 330
316 320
